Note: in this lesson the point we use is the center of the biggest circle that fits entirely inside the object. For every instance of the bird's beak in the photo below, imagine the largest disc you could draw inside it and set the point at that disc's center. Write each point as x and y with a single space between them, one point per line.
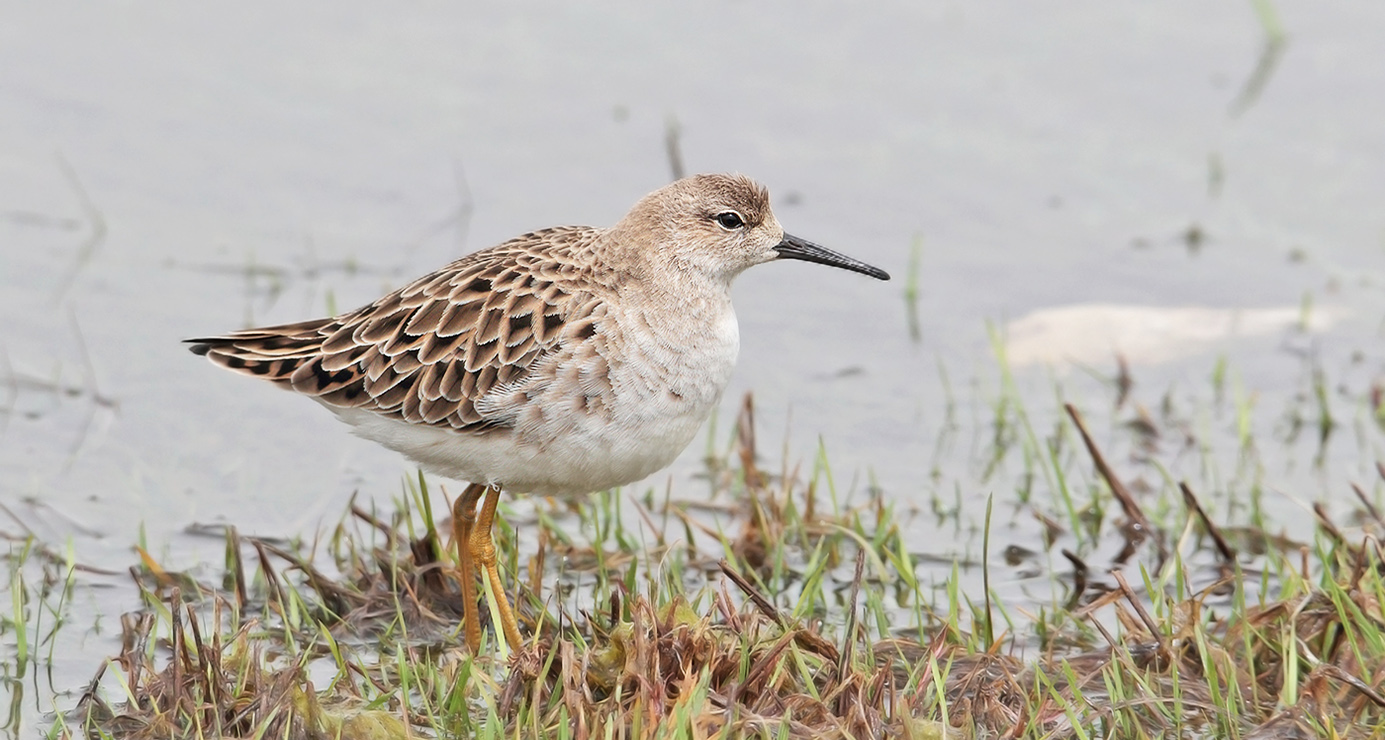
801 249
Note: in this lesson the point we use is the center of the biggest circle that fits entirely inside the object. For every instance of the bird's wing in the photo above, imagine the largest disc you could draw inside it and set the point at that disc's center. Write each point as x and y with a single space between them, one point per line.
428 352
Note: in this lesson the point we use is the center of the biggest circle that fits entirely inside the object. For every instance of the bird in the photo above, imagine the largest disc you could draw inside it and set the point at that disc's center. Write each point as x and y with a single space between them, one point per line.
562 362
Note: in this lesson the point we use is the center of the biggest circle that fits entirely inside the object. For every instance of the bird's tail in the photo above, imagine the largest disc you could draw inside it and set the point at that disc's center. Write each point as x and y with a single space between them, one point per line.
272 352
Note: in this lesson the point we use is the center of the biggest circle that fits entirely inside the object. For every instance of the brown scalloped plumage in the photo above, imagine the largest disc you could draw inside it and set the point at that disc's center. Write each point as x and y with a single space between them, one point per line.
428 351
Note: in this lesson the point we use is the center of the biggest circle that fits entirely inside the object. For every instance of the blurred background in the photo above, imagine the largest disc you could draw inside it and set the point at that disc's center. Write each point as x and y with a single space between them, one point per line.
1195 188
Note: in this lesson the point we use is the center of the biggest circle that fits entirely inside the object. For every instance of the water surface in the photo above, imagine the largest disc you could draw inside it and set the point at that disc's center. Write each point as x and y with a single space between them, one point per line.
171 171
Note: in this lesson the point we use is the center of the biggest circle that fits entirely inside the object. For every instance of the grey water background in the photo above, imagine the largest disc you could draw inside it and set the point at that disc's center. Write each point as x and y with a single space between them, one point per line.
168 171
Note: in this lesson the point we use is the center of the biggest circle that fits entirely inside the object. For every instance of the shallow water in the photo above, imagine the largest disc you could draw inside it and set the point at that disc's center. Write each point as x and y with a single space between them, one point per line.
169 172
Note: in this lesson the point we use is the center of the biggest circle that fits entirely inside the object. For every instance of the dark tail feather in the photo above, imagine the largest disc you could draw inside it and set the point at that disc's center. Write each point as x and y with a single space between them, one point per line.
272 352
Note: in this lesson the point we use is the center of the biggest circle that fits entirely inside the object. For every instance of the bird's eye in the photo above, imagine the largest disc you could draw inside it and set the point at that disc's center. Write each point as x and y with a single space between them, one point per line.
729 220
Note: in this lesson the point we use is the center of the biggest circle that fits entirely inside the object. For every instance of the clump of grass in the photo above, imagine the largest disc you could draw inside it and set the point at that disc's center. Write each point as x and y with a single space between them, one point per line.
667 669
779 607
240 685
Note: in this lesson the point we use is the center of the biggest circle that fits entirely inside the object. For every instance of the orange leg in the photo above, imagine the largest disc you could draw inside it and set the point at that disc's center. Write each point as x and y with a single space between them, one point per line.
483 552
463 524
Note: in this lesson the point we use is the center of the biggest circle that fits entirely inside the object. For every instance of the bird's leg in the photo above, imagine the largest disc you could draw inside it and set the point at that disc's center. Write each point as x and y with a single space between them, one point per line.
483 552
463 524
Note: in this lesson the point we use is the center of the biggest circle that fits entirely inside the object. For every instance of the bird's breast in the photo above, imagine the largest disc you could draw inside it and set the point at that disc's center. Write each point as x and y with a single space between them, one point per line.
678 364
